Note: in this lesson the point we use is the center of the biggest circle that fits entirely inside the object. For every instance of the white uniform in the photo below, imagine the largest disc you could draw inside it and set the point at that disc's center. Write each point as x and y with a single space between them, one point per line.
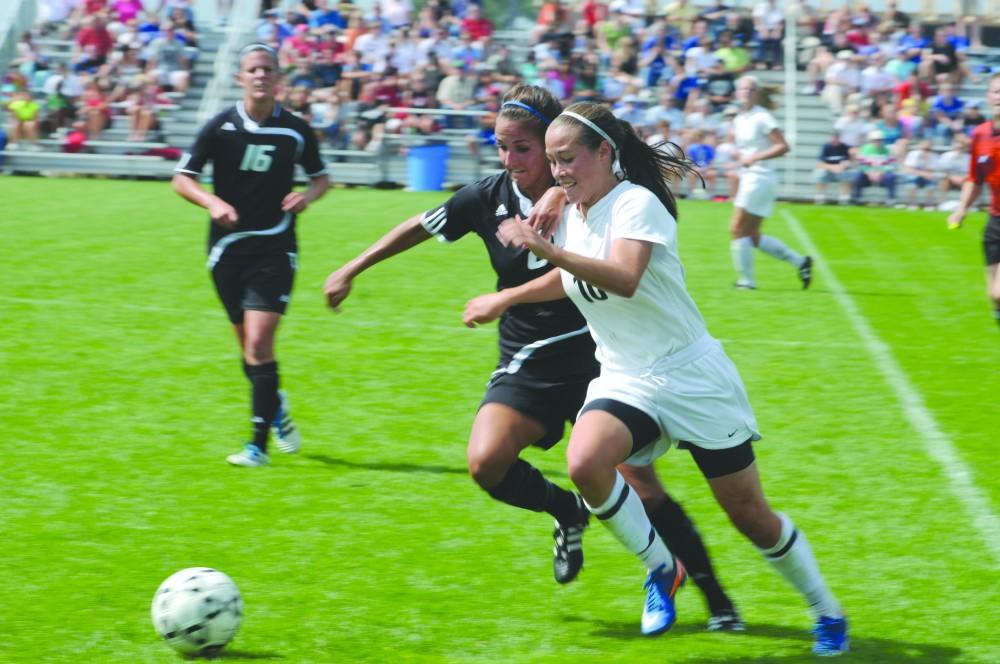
758 184
655 352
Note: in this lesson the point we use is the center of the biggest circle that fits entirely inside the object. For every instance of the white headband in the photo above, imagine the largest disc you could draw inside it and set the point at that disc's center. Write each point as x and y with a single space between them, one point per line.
593 126
616 167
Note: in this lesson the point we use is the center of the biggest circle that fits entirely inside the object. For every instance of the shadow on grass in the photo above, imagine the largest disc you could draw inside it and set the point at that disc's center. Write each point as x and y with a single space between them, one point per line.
237 654
863 648
386 467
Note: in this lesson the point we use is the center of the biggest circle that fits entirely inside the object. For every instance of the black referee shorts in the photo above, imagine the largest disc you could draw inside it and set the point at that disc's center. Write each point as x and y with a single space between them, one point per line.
991 241
261 283
551 405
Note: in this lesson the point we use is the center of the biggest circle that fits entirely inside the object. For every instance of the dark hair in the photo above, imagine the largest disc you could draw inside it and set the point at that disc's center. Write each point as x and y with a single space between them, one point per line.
650 166
539 99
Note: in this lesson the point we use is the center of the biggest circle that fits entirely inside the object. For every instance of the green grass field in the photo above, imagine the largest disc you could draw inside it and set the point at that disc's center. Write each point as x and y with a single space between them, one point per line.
876 390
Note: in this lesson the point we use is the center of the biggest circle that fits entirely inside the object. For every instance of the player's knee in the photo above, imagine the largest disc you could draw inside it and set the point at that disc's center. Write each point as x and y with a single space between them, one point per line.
258 350
754 519
487 471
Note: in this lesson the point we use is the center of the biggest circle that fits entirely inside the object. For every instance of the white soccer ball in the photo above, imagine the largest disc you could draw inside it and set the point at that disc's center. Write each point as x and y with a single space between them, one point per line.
197 610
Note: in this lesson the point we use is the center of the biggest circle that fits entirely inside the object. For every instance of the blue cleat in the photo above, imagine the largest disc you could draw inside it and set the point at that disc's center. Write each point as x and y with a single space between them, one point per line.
659 614
831 637
250 456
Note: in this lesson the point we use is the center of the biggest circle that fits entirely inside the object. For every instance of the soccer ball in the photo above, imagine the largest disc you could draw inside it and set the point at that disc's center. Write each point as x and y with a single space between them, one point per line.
197 610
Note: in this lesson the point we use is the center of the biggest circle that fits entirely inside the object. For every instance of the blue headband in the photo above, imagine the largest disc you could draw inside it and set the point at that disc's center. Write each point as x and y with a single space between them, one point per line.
250 48
521 104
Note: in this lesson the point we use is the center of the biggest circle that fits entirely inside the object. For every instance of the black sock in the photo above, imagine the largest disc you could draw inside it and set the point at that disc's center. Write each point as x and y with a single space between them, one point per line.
683 539
264 399
525 487
246 371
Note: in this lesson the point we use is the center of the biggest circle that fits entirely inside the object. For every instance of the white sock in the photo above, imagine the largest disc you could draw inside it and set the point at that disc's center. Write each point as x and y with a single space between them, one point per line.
742 251
622 513
772 246
795 561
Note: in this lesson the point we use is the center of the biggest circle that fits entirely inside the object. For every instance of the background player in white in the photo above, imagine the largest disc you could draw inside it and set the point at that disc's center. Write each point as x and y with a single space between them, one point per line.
664 380
758 139
254 147
546 355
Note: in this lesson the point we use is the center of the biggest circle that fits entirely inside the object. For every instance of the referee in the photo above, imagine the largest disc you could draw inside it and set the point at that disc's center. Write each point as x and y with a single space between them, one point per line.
254 147
984 171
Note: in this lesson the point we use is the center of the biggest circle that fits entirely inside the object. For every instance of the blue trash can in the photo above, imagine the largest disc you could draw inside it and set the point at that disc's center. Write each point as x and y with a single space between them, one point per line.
425 167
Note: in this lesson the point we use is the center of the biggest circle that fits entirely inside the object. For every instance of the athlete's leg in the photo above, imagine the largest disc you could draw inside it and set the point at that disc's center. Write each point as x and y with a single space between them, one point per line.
744 228
259 330
678 532
741 496
599 443
499 435
993 288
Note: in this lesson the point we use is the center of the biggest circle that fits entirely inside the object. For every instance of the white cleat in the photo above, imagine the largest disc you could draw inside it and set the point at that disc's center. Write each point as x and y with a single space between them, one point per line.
286 435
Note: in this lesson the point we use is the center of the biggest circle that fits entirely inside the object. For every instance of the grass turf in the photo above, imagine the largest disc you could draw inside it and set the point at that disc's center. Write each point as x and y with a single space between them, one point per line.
123 393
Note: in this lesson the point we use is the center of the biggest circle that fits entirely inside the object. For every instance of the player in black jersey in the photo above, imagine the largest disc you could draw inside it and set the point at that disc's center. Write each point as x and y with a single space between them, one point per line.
254 148
546 352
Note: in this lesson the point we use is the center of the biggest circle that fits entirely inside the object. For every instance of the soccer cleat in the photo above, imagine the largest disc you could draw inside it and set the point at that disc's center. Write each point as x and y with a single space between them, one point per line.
567 555
659 614
726 620
831 637
286 436
250 456
806 272
744 284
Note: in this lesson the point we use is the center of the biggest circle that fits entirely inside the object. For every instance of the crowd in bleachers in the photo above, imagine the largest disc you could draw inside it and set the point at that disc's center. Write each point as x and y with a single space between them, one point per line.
672 74
893 83
124 66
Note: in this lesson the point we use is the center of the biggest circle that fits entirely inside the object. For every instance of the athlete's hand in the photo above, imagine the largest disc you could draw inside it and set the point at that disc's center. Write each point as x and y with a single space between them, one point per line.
484 309
547 212
294 202
955 219
519 234
223 213
336 289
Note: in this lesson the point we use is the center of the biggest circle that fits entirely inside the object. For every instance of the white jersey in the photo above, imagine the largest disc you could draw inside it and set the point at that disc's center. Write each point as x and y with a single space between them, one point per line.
660 318
752 130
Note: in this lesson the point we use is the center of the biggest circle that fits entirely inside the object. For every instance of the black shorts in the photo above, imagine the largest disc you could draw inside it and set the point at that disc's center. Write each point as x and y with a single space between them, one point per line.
551 405
261 283
991 241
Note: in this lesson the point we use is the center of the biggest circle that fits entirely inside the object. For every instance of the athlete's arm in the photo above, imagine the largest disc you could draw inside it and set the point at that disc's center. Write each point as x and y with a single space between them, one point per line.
405 236
221 212
970 192
489 307
779 146
297 201
620 273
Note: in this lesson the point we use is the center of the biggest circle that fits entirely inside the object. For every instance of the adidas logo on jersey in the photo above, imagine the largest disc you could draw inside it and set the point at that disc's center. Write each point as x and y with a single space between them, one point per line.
229 126
501 210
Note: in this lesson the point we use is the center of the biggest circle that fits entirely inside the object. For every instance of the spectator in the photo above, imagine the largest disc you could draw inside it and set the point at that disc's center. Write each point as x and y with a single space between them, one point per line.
913 83
769 25
876 78
921 171
876 168
168 59
953 167
946 101
92 45
457 93
24 120
898 19
664 111
62 89
701 152
94 110
476 25
833 167
972 116
842 79
816 69
629 110
940 58
892 130
851 127
913 43
734 58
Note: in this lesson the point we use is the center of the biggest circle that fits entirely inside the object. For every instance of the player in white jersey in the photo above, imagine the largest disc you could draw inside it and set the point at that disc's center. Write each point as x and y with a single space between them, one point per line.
664 380
758 139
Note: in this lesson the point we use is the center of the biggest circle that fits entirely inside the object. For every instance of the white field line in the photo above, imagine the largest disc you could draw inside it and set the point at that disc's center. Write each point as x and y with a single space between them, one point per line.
937 444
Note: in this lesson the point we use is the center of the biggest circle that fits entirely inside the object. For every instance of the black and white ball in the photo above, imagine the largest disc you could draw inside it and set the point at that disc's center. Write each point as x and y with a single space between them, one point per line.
197 610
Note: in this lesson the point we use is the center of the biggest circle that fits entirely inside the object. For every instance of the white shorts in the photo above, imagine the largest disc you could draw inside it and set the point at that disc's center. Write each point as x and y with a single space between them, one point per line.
695 395
756 193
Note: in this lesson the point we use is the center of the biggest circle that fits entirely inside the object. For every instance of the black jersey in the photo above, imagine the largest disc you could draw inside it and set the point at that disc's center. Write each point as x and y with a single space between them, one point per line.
253 169
548 340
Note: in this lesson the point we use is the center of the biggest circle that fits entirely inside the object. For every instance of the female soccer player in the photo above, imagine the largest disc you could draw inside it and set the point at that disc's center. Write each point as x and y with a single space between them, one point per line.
546 354
758 139
254 147
664 380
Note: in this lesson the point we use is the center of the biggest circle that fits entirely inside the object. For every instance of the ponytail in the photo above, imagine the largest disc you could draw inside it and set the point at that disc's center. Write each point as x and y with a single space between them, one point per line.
654 167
